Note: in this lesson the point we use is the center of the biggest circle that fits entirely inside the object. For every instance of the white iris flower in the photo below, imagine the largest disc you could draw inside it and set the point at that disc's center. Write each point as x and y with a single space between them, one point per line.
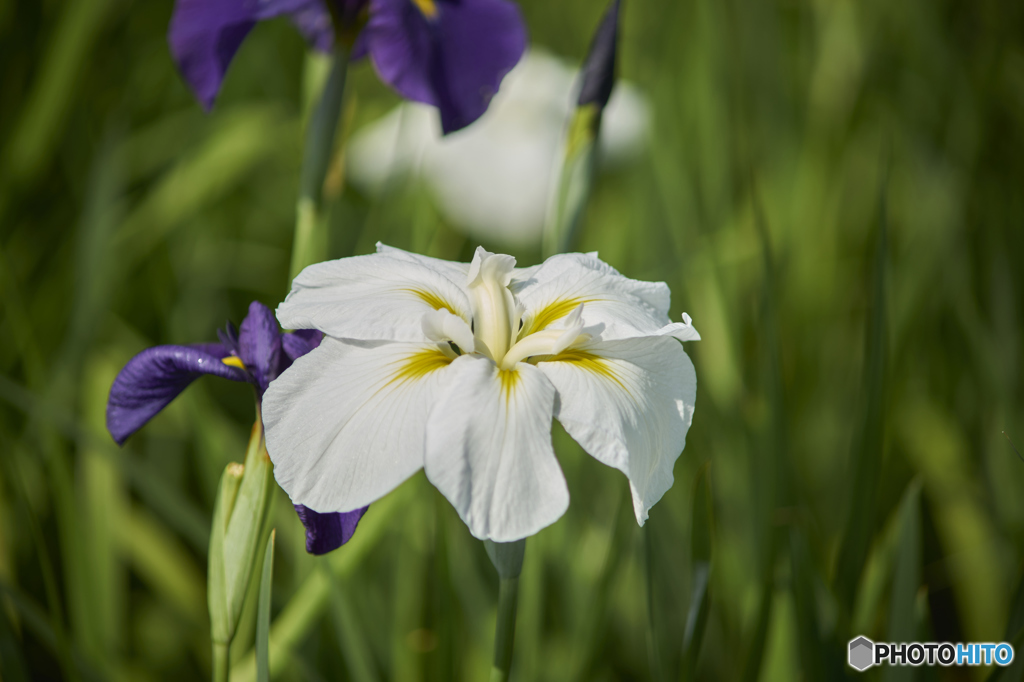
493 180
459 368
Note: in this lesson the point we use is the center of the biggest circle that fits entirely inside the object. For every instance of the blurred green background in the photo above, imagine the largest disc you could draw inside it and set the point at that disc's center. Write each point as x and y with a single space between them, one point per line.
834 190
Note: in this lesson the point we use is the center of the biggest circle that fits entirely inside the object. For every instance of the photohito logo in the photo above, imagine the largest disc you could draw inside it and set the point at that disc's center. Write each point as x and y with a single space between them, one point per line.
863 653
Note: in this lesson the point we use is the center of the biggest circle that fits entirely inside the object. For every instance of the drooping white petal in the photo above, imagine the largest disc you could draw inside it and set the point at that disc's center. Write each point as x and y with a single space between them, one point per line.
617 306
345 424
489 449
376 297
629 403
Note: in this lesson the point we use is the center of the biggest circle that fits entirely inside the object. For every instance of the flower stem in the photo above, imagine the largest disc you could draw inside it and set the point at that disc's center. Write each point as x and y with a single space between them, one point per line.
508 594
310 241
507 558
653 650
221 662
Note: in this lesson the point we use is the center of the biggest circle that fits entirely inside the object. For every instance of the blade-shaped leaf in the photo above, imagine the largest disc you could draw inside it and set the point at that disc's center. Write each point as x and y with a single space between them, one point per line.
906 581
804 599
700 557
246 524
216 586
263 614
755 652
354 647
866 454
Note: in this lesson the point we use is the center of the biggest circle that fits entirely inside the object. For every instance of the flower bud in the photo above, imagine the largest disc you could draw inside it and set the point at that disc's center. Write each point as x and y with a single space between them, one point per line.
240 513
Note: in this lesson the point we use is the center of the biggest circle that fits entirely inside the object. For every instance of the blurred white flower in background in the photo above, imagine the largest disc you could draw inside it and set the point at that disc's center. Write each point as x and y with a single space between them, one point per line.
493 179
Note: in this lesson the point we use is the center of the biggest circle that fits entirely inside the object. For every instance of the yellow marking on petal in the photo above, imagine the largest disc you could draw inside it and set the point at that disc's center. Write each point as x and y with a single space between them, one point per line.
433 300
420 364
233 361
427 7
509 378
590 362
553 312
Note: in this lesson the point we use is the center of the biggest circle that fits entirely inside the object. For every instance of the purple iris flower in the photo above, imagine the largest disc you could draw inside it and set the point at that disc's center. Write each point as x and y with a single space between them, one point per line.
451 54
255 353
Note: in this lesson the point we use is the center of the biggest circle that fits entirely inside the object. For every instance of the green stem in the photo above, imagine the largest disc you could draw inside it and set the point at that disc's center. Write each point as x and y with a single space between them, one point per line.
507 558
574 183
310 241
653 651
221 662
508 594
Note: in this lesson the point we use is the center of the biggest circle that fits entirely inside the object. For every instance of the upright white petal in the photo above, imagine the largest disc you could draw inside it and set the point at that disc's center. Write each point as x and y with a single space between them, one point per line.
495 319
620 307
345 424
629 403
489 449
375 297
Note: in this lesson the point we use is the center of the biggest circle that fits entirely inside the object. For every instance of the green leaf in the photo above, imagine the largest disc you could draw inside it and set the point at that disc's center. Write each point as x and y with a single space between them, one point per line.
354 648
1014 633
39 127
1012 671
246 524
575 178
232 150
263 614
216 591
700 557
906 581
39 623
866 454
102 502
309 600
805 602
9 467
755 652
12 664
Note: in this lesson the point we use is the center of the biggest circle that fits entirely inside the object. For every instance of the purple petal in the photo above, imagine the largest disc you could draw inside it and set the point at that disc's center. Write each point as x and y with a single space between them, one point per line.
229 336
300 342
204 35
259 345
454 59
327 532
155 377
314 23
599 67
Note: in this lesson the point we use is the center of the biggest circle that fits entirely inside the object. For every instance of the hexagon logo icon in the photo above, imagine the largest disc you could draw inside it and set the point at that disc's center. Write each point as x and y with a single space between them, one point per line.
861 654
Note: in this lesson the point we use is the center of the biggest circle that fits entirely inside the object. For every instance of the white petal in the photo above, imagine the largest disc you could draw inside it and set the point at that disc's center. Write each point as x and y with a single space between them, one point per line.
346 423
629 403
495 321
618 306
489 449
374 297
453 270
441 326
551 341
684 331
